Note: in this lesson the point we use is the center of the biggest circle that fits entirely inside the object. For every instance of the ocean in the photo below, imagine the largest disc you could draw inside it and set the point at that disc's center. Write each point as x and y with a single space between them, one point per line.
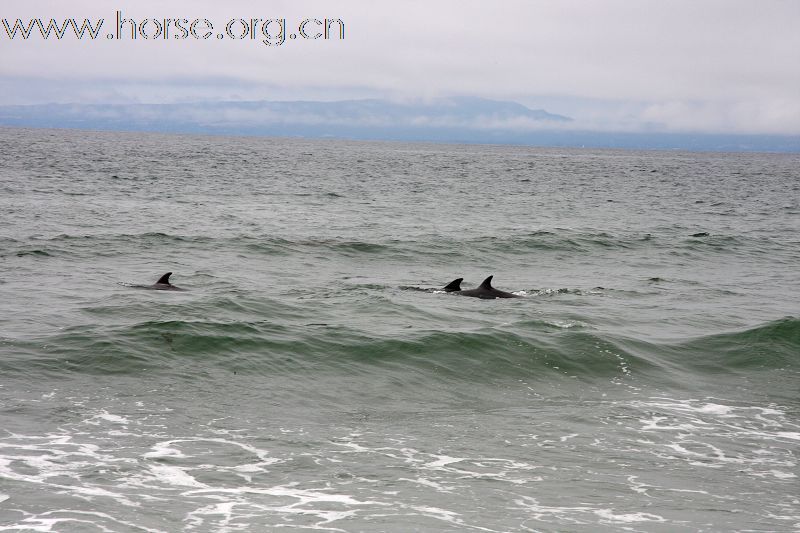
312 377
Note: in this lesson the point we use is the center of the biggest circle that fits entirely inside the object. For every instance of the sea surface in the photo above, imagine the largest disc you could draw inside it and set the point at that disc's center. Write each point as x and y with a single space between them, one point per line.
310 377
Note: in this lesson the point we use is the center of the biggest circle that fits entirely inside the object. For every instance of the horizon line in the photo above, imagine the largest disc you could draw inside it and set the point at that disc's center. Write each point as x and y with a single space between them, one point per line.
460 142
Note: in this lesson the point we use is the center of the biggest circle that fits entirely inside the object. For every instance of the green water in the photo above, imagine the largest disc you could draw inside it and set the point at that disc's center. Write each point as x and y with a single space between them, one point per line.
312 377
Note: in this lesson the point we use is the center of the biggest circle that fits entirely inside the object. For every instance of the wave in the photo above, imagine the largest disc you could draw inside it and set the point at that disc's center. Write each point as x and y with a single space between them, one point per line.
529 350
774 345
771 346
429 246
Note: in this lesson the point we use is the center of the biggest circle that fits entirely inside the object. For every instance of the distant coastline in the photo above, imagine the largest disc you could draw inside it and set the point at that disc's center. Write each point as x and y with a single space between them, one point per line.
454 120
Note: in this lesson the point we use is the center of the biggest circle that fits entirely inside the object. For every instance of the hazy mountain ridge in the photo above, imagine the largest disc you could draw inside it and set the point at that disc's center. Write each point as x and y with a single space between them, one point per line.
454 112
459 119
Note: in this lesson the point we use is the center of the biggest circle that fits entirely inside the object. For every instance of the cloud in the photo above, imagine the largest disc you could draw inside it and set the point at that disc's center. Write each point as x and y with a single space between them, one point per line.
773 116
716 65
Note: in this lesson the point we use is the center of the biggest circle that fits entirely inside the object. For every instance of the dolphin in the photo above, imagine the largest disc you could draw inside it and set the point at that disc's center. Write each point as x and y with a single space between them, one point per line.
453 286
162 284
486 291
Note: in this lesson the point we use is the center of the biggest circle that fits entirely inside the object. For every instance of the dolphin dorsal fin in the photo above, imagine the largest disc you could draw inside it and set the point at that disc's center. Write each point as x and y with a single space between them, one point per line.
487 283
454 285
165 278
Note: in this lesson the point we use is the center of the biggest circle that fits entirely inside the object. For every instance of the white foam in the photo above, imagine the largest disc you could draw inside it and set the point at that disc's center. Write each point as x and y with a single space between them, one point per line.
651 424
638 486
543 512
606 514
107 417
709 407
88 493
39 523
248 469
303 495
782 475
715 408
435 512
303 505
174 475
164 449
443 460
225 509
715 454
35 524
426 483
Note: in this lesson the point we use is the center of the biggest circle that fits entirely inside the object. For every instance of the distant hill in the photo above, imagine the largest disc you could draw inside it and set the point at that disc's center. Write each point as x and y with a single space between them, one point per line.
305 118
459 120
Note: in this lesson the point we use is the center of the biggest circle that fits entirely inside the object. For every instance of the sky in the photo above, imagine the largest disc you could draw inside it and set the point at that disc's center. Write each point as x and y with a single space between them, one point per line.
706 66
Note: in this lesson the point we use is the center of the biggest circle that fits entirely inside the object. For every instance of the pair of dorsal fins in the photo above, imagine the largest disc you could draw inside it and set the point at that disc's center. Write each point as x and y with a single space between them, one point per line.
455 285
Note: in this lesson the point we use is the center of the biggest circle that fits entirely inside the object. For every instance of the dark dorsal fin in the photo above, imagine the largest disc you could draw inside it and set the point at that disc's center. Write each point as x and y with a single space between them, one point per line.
487 283
454 285
165 278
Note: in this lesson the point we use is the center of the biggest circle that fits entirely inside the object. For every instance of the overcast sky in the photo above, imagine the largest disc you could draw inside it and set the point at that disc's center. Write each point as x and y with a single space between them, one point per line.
699 65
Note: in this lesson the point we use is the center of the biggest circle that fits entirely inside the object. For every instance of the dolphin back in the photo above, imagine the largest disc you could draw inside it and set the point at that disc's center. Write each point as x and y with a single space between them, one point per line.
486 291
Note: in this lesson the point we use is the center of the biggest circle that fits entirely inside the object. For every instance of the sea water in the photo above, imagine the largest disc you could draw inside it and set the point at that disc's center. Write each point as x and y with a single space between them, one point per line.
311 377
